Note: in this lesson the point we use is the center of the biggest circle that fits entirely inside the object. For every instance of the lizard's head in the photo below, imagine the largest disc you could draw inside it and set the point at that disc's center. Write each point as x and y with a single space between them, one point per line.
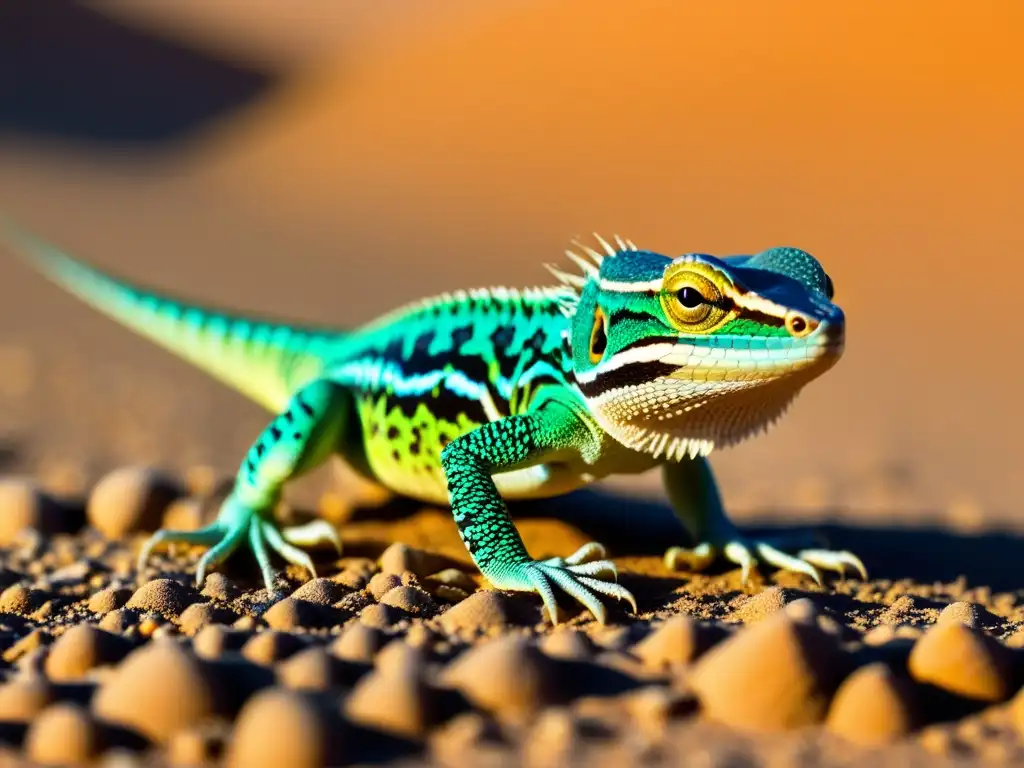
677 356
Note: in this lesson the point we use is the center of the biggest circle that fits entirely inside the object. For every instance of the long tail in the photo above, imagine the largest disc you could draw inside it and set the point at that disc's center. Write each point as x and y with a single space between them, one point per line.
265 360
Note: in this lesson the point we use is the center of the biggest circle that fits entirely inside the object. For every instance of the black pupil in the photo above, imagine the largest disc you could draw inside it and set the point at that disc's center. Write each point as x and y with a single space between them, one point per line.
690 297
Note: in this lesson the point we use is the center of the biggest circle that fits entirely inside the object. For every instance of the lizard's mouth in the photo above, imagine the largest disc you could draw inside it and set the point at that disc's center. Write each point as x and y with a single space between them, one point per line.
712 399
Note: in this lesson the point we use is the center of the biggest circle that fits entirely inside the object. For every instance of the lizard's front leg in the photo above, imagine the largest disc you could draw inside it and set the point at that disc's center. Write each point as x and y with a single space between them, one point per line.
694 496
486 527
300 438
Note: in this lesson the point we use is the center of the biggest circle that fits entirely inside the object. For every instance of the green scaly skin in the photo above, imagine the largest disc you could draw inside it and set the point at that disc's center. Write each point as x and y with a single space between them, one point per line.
475 397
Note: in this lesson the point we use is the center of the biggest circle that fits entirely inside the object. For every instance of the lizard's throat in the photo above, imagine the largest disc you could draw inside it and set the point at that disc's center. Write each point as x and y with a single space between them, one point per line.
674 419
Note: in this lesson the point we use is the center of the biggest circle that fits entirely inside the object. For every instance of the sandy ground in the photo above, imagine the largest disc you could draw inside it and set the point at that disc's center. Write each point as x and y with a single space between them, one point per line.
328 163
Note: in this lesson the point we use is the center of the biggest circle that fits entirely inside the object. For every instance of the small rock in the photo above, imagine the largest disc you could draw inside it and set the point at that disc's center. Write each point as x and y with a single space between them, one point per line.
412 600
130 499
22 699
379 616
119 621
19 599
219 587
765 603
679 640
775 674
82 648
64 734
382 583
24 647
109 599
270 646
358 643
507 676
279 727
157 690
163 596
553 739
213 640
311 669
568 644
963 661
961 613
873 707
399 558
394 697
319 591
198 615
190 747
24 505
484 611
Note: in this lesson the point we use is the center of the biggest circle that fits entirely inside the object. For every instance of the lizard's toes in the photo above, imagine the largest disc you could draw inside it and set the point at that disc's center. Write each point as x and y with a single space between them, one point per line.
576 581
696 559
831 560
312 534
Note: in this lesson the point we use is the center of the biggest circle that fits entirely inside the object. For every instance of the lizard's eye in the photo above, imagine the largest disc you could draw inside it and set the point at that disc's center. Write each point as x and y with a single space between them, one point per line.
598 336
691 300
690 297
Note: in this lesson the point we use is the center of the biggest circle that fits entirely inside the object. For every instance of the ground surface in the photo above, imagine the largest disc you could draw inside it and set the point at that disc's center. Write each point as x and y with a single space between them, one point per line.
329 162
396 653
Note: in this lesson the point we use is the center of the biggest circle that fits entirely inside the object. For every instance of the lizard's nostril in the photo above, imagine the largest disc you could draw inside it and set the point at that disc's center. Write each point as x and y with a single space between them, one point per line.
798 325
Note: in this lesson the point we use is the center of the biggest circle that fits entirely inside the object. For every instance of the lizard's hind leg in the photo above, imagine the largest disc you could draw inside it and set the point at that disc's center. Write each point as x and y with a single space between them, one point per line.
299 439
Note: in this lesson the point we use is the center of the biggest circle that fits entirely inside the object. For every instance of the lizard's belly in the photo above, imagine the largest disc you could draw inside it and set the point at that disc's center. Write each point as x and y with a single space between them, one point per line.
403 453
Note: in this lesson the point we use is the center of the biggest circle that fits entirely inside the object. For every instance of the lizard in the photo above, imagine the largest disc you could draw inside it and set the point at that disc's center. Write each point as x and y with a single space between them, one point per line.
466 399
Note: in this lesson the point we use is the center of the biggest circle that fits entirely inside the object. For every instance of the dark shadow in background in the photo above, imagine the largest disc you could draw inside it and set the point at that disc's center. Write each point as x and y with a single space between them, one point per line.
630 526
68 72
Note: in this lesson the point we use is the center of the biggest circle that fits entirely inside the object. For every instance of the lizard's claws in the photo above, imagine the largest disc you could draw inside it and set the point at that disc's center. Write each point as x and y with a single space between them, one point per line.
746 554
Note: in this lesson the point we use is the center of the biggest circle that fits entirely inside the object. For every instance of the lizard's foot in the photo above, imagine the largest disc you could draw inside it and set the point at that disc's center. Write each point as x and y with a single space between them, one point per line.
227 533
584 575
745 553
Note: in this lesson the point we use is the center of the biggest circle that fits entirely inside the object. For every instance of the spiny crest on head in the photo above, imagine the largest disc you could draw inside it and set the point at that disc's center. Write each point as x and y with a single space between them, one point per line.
589 270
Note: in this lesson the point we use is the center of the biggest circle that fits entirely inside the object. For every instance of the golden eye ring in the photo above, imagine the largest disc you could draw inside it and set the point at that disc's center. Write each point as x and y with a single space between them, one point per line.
799 325
598 336
691 301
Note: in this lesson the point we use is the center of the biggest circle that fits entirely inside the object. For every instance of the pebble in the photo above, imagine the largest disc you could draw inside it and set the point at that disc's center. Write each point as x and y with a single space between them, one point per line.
23 698
199 615
131 499
568 644
412 600
164 596
19 599
358 643
213 640
219 587
290 613
678 640
191 747
24 505
487 611
963 661
873 707
399 558
109 599
319 591
270 646
63 734
379 616
119 621
278 727
507 677
394 697
961 613
157 690
382 583
765 603
311 669
82 648
778 673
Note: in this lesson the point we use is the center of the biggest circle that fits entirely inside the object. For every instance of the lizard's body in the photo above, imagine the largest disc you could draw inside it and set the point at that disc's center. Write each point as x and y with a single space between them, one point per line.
470 397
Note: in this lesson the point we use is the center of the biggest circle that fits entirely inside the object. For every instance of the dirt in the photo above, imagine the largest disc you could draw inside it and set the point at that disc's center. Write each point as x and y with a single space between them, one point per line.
329 164
397 651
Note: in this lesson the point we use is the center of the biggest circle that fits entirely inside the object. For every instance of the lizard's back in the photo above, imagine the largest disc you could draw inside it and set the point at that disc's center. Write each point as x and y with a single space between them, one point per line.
428 373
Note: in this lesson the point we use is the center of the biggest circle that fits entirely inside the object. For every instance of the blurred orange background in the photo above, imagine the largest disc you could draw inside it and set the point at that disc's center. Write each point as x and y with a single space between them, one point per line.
328 161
